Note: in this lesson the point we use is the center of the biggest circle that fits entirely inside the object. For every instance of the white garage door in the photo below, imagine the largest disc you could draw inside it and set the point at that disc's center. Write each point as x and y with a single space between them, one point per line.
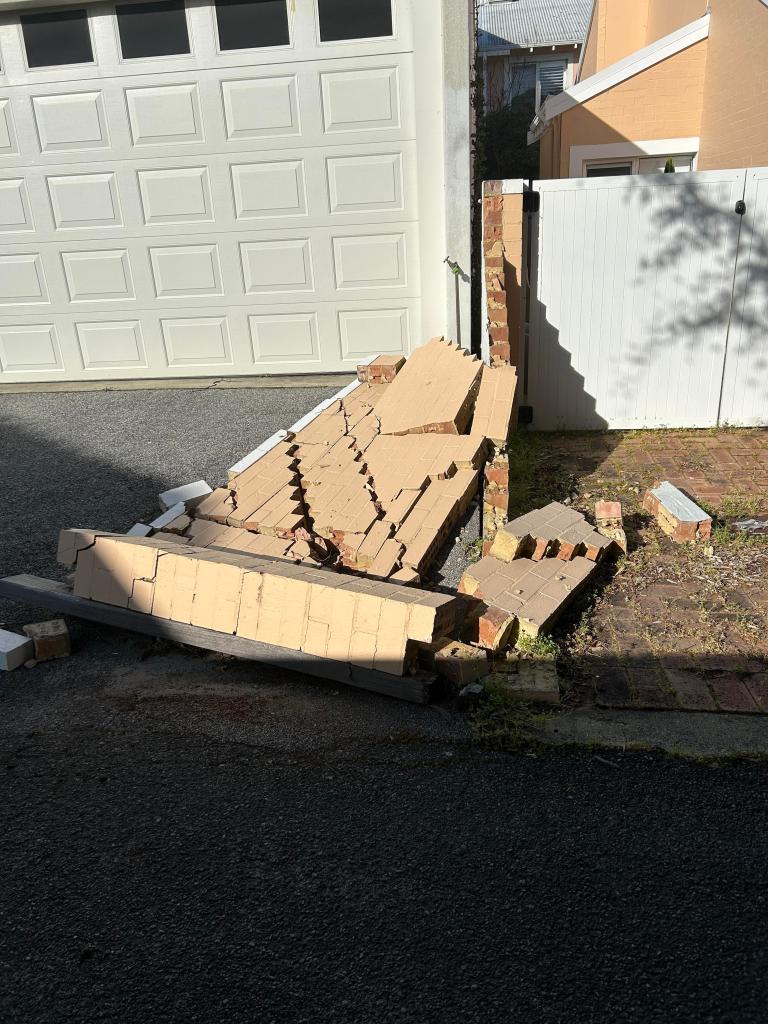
251 186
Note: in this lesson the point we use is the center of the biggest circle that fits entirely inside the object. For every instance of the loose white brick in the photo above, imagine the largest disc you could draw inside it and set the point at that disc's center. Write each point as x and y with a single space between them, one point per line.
347 390
14 650
258 453
139 530
167 517
189 495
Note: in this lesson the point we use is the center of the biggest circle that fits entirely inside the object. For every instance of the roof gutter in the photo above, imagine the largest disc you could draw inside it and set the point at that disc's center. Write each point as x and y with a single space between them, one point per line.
617 73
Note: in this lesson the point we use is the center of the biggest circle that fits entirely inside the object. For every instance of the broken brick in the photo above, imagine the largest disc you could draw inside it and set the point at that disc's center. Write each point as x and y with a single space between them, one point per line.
495 628
50 639
677 514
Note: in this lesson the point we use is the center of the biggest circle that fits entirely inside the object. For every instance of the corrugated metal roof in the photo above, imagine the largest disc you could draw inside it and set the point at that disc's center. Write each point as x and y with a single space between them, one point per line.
523 23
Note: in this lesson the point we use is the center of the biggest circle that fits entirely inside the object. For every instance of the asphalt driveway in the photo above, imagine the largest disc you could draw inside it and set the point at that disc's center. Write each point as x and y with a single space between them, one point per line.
186 838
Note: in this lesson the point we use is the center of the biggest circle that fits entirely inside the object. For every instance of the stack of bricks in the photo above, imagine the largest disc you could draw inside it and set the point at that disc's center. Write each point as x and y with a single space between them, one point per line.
503 257
536 565
348 619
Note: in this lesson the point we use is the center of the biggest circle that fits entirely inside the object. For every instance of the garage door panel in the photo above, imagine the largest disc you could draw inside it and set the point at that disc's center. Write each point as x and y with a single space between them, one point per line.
353 185
325 264
181 343
336 103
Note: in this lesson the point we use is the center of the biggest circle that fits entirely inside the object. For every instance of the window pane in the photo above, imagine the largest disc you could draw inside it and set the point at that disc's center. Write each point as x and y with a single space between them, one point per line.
252 23
153 29
657 164
359 19
608 170
59 37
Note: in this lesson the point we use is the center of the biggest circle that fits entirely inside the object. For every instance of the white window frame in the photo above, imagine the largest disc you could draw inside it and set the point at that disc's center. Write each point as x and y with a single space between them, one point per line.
630 152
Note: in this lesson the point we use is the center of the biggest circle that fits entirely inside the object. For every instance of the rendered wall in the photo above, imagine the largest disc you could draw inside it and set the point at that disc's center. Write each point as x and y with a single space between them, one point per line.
665 16
663 102
734 130
618 28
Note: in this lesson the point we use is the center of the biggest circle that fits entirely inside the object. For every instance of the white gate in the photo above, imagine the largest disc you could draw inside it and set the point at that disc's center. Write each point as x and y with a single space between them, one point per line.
649 302
274 209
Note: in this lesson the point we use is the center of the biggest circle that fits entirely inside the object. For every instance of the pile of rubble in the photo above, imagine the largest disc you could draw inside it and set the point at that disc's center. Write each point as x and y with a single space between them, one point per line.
319 541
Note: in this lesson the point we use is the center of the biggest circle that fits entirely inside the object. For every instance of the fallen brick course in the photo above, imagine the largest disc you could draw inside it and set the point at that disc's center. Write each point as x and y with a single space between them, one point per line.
433 393
344 617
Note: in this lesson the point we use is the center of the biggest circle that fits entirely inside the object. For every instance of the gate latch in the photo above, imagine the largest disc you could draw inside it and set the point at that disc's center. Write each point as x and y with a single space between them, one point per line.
741 207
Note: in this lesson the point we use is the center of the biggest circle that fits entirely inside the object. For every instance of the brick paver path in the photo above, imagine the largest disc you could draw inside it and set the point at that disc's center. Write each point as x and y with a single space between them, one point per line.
670 626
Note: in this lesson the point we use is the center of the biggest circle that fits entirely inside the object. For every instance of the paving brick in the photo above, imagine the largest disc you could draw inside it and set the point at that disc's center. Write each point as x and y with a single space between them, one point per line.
731 693
690 689
757 685
458 662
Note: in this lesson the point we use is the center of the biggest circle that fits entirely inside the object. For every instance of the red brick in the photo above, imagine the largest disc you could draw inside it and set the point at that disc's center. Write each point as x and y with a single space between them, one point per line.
494 628
539 552
497 475
491 217
501 352
608 510
499 499
499 335
691 690
758 688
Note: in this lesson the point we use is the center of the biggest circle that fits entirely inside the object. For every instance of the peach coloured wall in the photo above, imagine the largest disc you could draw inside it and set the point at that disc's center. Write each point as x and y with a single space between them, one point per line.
618 28
663 102
734 131
665 16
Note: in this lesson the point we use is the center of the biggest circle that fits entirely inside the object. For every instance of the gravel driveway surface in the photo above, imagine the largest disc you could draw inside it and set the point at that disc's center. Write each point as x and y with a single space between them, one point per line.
186 838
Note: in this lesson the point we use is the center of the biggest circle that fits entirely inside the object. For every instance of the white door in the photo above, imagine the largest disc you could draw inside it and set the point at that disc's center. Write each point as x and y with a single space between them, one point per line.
215 189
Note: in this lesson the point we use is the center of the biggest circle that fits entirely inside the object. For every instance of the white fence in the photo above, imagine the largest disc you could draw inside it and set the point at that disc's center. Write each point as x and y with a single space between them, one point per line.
649 302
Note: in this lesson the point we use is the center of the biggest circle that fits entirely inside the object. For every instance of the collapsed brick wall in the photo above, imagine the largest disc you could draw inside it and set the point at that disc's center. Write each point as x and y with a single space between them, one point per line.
503 249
